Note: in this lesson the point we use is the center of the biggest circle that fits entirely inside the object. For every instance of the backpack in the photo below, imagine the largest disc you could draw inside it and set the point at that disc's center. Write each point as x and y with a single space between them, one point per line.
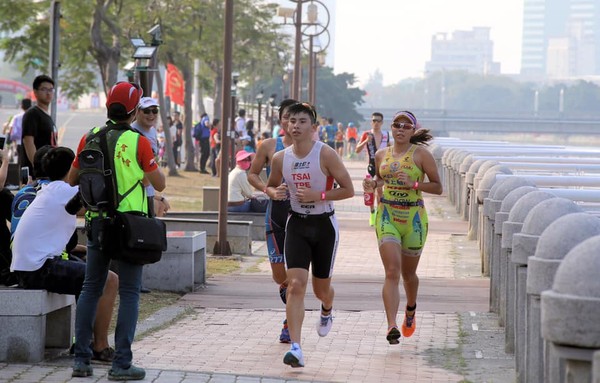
197 134
97 184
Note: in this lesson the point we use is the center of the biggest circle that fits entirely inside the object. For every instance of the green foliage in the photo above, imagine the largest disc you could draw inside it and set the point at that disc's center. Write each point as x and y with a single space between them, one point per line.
337 97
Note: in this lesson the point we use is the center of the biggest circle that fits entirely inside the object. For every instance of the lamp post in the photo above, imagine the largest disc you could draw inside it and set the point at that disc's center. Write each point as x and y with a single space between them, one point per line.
269 118
259 98
313 30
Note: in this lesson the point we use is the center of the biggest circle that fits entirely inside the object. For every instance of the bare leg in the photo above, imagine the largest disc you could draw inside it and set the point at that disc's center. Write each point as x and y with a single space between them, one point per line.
409 276
390 256
324 292
294 309
104 311
279 273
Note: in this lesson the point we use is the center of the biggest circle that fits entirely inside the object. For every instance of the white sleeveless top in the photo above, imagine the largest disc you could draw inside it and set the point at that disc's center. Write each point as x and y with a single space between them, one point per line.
306 172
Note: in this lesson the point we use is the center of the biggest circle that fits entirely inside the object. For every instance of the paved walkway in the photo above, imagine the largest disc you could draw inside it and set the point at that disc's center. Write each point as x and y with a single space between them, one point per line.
228 330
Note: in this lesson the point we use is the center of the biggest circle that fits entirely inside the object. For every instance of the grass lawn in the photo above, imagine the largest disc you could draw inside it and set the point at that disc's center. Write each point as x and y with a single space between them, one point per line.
184 193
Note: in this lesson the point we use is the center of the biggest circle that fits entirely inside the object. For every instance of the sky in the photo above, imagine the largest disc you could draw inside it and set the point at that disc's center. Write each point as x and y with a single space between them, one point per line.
394 36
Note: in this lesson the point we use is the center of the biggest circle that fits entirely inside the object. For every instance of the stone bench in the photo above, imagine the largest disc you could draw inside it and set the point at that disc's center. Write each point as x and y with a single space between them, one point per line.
33 320
182 266
257 228
238 232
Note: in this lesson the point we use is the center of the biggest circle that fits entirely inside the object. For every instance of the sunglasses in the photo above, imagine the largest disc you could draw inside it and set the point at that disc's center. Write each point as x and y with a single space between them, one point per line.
376 120
403 125
150 110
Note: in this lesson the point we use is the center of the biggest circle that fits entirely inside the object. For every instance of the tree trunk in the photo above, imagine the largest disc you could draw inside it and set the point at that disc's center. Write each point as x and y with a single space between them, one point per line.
106 56
187 122
166 127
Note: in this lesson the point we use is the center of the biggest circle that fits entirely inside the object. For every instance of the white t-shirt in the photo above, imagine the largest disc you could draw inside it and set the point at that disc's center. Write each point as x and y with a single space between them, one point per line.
239 187
45 228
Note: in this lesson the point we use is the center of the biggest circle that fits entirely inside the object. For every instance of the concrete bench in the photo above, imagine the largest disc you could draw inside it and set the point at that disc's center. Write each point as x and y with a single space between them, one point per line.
238 232
257 228
33 320
182 266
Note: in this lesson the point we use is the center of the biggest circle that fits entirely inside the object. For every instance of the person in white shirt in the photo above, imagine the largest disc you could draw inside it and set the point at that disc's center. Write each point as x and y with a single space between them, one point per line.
240 190
40 239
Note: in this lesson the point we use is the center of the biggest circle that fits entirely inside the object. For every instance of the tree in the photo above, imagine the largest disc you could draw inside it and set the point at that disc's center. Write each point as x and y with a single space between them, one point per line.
336 95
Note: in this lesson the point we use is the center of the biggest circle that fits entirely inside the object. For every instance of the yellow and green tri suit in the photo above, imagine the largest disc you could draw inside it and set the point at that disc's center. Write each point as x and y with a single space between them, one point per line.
401 215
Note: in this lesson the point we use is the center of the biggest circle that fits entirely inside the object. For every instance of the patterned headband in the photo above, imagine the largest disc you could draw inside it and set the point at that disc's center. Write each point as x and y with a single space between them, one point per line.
406 114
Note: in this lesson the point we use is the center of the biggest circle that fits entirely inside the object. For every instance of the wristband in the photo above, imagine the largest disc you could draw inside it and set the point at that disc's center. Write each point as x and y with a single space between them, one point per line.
415 185
322 196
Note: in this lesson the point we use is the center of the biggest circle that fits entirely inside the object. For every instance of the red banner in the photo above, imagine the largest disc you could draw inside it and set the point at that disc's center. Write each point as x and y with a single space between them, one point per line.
175 88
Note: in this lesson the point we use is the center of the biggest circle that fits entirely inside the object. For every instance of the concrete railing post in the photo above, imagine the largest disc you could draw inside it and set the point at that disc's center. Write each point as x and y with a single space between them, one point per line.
524 246
570 311
553 245
513 225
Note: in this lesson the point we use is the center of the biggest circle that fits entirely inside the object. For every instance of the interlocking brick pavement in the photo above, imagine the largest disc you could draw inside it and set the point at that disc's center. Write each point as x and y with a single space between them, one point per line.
220 339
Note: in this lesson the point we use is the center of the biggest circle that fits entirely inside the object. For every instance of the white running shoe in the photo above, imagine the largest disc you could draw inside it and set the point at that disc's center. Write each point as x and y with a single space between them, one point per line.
294 357
324 324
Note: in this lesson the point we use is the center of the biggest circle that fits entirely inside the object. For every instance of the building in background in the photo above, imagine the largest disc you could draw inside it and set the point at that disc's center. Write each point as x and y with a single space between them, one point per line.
561 38
470 51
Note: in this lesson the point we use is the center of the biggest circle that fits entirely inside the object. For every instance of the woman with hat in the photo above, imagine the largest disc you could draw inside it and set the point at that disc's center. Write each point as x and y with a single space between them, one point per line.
401 222
240 190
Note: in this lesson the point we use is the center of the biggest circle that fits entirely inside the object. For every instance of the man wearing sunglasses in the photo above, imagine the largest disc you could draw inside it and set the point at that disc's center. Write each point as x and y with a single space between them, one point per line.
374 140
145 122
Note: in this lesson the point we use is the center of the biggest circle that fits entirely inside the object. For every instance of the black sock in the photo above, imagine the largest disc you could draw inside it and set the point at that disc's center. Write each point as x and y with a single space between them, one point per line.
325 311
413 308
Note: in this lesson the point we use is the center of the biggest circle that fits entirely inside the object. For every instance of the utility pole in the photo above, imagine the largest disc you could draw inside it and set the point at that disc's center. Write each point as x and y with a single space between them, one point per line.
222 245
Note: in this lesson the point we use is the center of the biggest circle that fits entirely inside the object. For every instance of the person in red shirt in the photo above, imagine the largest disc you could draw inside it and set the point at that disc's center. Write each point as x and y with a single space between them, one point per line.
134 166
351 138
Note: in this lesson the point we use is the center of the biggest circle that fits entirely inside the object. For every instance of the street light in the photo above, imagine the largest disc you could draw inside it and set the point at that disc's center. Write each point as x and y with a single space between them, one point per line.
315 29
259 98
270 103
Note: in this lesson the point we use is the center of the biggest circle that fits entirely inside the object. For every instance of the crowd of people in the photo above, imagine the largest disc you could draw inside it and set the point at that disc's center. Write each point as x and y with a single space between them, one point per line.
305 175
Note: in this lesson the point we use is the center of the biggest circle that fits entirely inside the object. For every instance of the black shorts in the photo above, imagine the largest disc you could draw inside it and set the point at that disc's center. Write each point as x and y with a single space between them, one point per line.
56 275
276 218
339 145
312 239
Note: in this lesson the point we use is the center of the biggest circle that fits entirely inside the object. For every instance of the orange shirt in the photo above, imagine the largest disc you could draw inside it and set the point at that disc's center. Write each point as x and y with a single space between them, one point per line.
351 132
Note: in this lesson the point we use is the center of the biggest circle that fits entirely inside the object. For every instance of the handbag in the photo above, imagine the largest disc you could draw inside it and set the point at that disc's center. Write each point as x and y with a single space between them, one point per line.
135 238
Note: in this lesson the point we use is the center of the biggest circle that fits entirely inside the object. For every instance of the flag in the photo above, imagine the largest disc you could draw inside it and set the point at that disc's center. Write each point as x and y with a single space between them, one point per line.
175 88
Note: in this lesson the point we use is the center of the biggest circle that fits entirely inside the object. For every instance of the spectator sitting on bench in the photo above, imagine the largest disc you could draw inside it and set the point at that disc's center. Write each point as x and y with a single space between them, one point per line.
39 241
6 198
241 197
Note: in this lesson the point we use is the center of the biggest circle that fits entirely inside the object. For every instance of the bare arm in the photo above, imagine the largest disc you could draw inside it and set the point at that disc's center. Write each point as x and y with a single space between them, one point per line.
157 179
360 146
4 166
427 163
259 161
29 147
73 176
275 189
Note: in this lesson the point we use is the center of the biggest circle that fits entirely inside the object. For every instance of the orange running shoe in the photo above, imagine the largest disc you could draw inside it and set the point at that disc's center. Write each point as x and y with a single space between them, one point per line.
409 325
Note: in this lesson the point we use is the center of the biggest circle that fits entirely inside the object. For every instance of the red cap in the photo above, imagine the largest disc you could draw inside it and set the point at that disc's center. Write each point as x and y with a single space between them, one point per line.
125 93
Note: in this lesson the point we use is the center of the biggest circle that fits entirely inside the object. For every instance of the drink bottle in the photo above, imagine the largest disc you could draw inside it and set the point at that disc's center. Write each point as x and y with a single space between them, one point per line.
369 194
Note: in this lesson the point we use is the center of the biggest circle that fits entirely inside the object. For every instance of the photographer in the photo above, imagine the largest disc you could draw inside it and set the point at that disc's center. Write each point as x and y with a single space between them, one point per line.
134 163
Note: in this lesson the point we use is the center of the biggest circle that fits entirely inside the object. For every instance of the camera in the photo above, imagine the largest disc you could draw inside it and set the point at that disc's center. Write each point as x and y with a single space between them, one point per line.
74 205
